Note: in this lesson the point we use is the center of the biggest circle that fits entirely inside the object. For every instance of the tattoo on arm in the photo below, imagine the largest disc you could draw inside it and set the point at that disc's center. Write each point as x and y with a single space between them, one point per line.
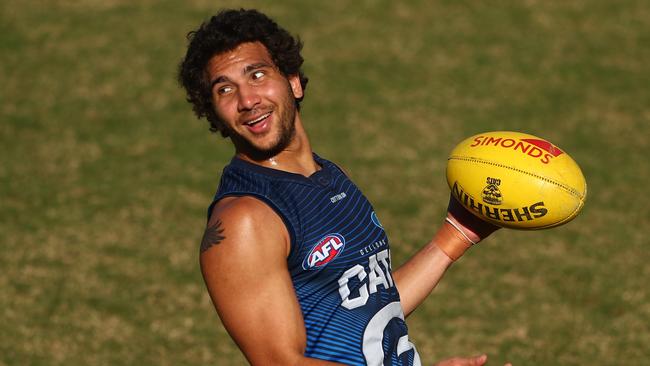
213 235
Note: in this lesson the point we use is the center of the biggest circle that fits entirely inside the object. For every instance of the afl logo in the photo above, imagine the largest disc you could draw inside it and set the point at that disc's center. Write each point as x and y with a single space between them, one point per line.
324 251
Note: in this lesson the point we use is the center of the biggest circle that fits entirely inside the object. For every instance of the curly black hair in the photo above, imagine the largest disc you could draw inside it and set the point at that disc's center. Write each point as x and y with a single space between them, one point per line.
222 33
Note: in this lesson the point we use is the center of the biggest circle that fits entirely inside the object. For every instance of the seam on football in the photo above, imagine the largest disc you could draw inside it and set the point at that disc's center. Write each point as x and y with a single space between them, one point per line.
571 190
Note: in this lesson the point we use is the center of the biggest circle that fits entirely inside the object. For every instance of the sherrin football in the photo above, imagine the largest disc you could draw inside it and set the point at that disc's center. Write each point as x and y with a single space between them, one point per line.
516 180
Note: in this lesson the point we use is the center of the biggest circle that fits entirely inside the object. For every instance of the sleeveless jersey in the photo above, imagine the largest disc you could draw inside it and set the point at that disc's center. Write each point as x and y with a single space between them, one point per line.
339 262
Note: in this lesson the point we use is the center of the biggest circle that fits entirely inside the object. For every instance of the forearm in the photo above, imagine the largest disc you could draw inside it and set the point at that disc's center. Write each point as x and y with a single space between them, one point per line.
306 361
283 360
416 278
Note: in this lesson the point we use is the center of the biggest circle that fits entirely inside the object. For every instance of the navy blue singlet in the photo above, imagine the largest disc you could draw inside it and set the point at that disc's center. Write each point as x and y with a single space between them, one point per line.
339 262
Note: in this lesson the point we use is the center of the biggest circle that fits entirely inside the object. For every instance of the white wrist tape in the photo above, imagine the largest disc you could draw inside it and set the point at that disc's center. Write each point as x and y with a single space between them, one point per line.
459 230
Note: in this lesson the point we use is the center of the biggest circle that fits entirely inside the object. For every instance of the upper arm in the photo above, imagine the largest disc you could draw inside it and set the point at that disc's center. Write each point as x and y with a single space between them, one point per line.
243 262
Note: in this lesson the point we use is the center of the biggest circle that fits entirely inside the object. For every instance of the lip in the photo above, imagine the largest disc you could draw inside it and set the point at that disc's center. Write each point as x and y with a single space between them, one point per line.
260 117
259 123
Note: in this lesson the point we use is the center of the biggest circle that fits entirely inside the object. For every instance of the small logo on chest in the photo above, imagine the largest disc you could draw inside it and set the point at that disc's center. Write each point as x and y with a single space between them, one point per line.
338 197
324 251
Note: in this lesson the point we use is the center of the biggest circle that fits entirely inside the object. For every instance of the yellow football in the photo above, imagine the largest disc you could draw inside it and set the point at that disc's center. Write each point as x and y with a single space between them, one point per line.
516 180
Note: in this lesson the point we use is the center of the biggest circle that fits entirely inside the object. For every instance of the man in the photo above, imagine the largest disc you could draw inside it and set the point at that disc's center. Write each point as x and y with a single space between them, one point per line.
294 258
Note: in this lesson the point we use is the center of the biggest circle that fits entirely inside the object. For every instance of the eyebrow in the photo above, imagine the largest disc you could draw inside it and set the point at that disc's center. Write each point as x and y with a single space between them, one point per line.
256 66
218 80
247 69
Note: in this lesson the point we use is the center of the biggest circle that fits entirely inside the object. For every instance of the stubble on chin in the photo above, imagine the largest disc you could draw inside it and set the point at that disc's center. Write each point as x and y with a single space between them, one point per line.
285 137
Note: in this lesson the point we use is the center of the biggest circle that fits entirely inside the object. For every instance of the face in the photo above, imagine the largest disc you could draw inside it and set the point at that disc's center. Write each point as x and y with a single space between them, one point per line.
254 99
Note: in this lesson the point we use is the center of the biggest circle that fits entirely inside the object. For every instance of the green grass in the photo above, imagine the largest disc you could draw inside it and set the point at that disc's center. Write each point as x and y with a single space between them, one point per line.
105 175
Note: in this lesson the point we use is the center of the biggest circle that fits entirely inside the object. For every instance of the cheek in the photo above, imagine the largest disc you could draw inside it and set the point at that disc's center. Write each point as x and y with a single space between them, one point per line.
223 109
279 92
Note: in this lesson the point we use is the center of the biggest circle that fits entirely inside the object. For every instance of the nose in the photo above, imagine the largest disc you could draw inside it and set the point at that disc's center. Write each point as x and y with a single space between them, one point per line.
248 98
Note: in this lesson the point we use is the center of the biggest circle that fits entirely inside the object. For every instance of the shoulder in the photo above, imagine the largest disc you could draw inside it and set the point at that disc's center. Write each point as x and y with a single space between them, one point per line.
243 223
240 207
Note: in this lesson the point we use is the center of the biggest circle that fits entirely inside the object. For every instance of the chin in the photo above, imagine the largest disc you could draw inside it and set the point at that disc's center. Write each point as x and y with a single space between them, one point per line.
264 147
259 152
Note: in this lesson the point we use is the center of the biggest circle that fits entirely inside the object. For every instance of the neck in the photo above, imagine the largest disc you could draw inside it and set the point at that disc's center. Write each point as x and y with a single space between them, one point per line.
295 158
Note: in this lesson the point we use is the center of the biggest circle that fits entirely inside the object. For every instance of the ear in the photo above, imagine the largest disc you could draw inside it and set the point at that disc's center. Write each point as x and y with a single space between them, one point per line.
296 87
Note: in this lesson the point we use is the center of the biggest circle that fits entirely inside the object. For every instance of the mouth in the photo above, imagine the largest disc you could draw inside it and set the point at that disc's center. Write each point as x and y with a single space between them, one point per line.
256 121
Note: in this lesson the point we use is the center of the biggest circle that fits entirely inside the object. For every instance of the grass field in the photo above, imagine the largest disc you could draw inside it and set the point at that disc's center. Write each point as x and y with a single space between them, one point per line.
105 174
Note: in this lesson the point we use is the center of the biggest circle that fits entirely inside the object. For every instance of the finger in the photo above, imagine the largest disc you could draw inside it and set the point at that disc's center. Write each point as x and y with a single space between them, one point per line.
479 360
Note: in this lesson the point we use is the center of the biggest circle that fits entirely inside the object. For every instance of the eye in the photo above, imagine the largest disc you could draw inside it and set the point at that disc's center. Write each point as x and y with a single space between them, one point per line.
224 89
257 74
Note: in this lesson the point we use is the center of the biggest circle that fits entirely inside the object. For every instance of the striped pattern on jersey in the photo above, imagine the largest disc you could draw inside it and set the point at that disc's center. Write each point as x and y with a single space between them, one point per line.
339 262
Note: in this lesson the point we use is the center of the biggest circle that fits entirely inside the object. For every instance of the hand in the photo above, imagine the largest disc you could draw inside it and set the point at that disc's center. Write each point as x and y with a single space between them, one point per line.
472 361
461 231
475 228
